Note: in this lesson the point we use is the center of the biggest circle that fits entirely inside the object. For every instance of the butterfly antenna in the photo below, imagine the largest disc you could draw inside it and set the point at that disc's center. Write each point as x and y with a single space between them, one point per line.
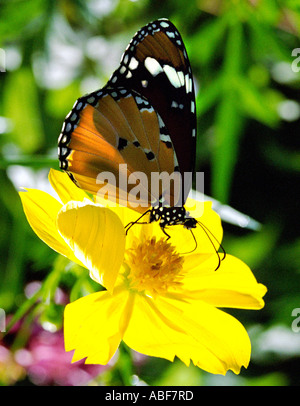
194 240
207 232
189 252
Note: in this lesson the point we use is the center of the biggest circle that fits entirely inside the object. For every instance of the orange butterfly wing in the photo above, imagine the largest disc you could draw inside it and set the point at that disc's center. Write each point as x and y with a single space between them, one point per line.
117 132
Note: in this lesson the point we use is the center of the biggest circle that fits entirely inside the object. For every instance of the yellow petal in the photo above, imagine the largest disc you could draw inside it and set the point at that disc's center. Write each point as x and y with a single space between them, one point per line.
231 285
41 211
127 217
94 325
97 237
65 188
212 339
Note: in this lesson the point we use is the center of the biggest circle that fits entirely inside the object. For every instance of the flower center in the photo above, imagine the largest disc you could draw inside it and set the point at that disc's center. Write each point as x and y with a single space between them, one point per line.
155 266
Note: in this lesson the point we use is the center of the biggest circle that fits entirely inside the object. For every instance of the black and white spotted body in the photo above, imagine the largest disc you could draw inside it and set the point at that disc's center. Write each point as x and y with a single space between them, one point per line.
171 216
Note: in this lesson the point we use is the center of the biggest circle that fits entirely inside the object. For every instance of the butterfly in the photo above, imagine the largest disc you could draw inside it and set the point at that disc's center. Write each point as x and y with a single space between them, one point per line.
142 121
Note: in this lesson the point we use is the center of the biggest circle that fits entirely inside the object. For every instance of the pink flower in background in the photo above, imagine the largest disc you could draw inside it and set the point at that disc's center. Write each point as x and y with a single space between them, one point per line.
43 359
47 363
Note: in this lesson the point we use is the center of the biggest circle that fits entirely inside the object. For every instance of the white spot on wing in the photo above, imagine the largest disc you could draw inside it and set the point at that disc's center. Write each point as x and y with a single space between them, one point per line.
188 83
164 24
125 59
139 100
68 127
63 138
172 75
181 77
192 107
153 66
134 63
160 121
175 160
149 109
165 138
91 99
170 34
63 151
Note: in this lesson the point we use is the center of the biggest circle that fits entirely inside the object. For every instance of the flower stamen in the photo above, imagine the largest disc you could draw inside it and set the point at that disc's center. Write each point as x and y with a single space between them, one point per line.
155 266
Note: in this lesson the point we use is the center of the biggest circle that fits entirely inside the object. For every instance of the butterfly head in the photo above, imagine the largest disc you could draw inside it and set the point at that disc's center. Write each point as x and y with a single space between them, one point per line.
190 222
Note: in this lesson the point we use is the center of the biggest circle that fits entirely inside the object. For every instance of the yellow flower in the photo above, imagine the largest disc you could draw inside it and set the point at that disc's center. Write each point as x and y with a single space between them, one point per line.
93 231
159 300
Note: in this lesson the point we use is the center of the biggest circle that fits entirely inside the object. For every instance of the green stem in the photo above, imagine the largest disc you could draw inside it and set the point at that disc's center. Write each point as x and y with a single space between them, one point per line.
125 365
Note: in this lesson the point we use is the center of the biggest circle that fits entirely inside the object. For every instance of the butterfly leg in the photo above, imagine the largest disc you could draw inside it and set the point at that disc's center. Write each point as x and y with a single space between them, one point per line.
163 230
129 225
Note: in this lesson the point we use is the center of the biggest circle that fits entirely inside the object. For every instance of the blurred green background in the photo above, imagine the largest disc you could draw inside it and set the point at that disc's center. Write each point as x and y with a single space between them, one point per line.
244 60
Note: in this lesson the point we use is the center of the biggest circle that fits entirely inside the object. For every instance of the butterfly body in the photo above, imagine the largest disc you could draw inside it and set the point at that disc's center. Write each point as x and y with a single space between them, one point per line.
169 216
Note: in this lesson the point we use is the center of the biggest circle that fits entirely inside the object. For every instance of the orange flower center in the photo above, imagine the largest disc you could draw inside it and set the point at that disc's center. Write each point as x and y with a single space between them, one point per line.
155 266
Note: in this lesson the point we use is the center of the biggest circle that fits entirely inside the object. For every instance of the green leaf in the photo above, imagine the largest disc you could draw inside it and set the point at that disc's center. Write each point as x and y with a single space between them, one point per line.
34 161
279 156
179 373
255 102
13 274
21 105
60 101
16 15
51 317
23 309
255 247
45 294
264 43
203 45
229 123
209 95
229 120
